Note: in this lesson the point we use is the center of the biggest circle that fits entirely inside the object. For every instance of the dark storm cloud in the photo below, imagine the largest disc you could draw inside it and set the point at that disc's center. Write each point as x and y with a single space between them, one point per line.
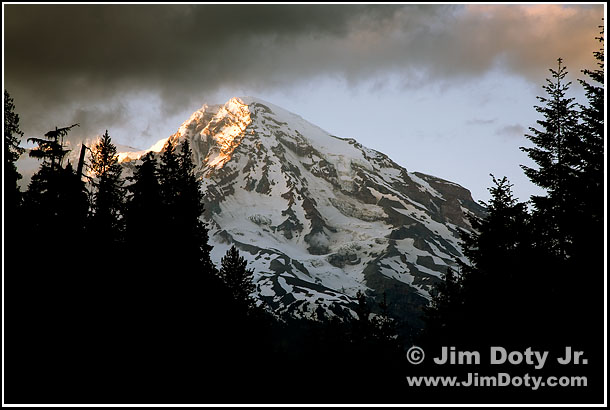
68 55
78 60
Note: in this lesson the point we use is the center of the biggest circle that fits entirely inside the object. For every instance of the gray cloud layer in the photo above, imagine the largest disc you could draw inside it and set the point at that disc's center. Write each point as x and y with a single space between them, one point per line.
62 60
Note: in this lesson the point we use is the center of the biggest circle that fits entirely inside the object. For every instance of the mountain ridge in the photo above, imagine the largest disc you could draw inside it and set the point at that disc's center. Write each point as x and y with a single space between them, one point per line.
317 216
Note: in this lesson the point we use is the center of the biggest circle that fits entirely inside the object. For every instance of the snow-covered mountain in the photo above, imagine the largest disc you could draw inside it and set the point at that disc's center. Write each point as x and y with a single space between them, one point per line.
319 217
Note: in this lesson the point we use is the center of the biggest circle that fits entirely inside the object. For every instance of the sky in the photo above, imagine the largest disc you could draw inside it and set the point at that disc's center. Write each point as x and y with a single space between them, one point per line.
444 89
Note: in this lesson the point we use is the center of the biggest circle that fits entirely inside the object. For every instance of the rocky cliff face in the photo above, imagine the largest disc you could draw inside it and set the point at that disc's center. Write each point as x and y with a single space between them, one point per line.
317 216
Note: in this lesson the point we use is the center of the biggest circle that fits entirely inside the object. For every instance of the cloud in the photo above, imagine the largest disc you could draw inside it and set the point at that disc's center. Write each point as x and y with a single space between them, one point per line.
479 121
74 62
511 131
528 39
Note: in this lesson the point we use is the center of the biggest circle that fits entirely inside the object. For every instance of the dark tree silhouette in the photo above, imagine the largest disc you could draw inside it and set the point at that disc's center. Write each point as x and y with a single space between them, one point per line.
567 221
237 277
481 295
108 198
50 288
182 203
189 208
533 278
591 182
556 152
51 148
593 133
363 326
12 152
144 209
56 202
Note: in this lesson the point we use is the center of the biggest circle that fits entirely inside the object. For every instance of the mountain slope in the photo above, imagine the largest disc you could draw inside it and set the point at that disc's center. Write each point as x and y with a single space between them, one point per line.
317 216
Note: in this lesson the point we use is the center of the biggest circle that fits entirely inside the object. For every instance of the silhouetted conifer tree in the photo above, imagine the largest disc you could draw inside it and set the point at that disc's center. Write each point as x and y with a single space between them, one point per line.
533 278
362 327
558 154
143 210
185 299
483 293
189 202
385 326
168 178
444 314
567 220
52 289
56 201
12 151
591 182
108 197
51 148
182 203
237 277
584 270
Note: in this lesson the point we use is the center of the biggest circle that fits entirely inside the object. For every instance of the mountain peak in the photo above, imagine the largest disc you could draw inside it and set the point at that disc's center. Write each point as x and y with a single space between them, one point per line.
319 217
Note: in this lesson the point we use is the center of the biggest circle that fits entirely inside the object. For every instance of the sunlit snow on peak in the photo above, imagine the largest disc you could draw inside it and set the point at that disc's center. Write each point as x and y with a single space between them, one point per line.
227 129
318 217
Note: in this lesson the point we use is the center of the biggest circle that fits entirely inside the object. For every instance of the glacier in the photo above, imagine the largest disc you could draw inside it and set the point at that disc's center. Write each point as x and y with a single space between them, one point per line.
318 217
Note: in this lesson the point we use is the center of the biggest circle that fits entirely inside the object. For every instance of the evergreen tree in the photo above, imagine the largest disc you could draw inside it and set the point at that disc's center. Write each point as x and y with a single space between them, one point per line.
50 287
51 148
190 203
183 272
169 189
362 328
107 208
182 203
388 353
12 151
481 296
557 152
379 327
143 210
168 178
54 284
566 223
370 346
385 326
592 131
585 312
444 315
237 277
56 201
534 277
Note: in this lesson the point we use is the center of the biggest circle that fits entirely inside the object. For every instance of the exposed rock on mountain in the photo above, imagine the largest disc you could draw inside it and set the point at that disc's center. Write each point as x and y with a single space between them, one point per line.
319 217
